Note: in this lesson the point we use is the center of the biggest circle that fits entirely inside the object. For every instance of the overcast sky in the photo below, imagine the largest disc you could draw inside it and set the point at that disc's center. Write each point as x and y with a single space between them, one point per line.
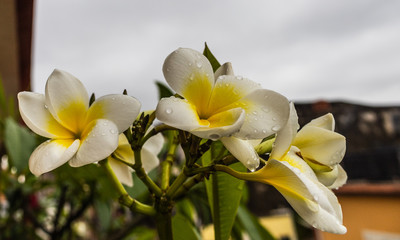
305 50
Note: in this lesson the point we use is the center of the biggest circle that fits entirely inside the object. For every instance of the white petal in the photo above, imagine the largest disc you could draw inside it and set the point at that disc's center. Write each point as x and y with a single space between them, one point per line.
286 135
228 92
154 144
320 145
121 109
67 99
183 66
52 154
297 162
222 124
177 113
327 122
149 160
36 116
224 69
123 172
327 178
124 151
315 203
100 140
341 178
266 113
255 142
243 151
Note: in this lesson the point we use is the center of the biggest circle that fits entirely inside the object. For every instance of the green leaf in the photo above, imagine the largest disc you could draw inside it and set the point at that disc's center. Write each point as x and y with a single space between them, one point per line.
103 209
183 229
214 62
252 226
142 233
19 143
139 190
224 194
187 209
163 90
183 222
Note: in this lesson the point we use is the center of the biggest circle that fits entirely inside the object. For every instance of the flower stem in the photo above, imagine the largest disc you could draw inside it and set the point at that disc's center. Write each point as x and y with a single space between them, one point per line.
164 225
177 183
166 165
124 198
154 131
230 171
142 175
189 184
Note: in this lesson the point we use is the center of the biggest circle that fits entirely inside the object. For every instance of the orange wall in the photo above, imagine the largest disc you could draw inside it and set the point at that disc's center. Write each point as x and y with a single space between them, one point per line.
380 213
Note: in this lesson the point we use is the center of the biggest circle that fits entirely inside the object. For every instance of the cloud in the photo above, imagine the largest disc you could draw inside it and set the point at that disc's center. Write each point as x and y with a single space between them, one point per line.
306 50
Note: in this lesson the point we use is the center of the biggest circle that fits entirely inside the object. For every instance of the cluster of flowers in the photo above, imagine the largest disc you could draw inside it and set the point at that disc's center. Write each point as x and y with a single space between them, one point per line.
303 165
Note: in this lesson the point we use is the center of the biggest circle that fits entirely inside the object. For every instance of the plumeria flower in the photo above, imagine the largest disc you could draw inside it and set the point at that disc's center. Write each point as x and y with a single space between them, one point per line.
124 153
219 106
317 144
323 149
297 182
77 133
292 176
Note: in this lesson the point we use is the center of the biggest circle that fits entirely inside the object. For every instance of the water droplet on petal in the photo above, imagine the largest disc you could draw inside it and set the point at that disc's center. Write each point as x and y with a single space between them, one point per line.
112 131
314 224
113 98
103 134
255 131
253 164
189 63
266 96
255 112
168 110
191 76
265 109
239 77
226 84
315 197
45 106
168 70
264 131
199 65
274 119
276 128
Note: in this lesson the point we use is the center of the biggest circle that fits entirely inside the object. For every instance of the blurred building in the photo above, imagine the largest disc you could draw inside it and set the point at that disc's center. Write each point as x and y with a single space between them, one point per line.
15 44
